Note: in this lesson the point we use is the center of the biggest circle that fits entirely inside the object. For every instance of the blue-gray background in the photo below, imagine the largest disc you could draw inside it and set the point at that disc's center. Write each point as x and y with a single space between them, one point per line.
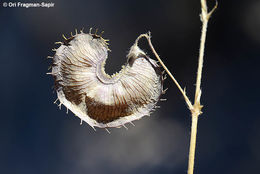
36 137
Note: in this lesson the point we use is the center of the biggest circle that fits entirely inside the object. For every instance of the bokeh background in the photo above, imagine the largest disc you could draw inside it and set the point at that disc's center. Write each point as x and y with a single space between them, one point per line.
36 137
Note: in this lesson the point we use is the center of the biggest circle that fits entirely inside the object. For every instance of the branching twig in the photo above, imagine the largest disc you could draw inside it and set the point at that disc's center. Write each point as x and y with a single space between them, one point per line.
195 109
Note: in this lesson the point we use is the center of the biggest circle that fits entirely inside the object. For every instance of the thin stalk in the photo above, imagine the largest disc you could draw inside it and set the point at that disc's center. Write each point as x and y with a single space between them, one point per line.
197 107
196 111
192 143
148 37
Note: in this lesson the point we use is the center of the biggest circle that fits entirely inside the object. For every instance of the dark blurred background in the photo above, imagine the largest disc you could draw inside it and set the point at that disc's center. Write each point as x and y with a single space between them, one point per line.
36 137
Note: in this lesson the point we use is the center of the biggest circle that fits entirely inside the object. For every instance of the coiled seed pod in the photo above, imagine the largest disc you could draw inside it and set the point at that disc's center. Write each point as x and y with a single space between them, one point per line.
97 98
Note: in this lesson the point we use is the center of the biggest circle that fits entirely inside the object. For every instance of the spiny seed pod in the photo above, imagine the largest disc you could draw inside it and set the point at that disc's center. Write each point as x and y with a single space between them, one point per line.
97 98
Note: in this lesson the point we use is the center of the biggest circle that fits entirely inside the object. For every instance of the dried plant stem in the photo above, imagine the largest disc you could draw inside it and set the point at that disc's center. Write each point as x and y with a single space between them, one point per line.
195 109
192 144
